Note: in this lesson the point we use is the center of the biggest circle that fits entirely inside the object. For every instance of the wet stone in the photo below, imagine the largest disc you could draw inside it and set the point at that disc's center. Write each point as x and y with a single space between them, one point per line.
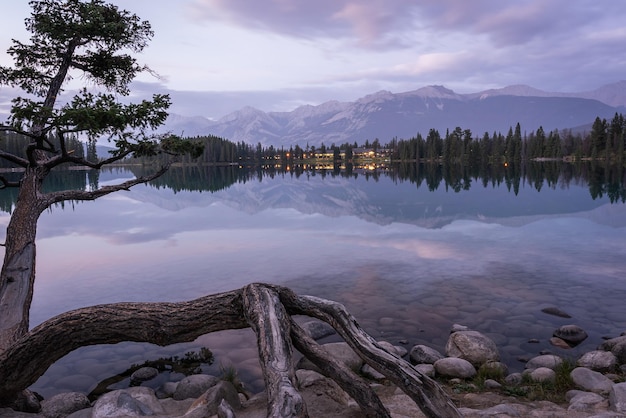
572 334
144 374
556 312
558 342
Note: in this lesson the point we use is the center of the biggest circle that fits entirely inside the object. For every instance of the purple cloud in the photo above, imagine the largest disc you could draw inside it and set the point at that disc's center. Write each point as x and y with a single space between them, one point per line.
402 22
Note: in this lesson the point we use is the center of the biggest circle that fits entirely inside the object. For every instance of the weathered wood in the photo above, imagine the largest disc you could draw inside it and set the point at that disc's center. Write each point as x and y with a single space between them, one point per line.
266 308
224 410
348 380
269 320
426 393
157 323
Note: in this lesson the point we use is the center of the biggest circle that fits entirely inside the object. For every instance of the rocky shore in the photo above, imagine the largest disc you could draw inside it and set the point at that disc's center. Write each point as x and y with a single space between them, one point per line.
470 371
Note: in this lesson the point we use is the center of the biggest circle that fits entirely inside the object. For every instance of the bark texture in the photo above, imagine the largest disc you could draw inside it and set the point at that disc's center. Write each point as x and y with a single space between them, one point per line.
17 277
265 308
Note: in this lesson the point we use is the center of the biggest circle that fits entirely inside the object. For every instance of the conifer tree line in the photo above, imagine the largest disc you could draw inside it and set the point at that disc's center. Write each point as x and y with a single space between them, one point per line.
606 141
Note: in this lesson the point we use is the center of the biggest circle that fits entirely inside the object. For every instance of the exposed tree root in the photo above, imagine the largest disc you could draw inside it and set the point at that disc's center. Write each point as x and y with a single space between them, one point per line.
265 308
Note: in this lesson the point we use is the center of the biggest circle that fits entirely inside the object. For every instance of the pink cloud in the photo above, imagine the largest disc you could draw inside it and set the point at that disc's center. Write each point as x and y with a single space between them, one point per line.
377 23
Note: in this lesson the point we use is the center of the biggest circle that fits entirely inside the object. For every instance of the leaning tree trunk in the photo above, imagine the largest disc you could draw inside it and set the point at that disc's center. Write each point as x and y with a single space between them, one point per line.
17 277
265 308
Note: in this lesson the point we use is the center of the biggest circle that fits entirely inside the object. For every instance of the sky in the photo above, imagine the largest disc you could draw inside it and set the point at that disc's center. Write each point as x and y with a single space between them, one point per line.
217 56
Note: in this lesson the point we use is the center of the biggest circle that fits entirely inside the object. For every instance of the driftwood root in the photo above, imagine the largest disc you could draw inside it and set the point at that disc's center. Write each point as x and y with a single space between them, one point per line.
267 309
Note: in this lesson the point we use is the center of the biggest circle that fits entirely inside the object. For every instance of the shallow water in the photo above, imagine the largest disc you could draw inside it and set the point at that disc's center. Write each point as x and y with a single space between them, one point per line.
406 262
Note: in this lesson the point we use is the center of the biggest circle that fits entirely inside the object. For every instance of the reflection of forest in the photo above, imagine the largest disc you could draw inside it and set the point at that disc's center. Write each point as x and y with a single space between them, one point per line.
602 180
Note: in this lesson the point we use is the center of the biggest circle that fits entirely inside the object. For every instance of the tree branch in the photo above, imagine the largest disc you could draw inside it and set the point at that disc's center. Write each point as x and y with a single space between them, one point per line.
158 323
426 393
266 308
56 197
66 157
349 381
271 324
7 128
22 162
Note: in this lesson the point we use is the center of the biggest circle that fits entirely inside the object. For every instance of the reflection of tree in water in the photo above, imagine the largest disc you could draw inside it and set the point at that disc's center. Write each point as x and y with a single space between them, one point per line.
607 180
602 179
190 363
56 181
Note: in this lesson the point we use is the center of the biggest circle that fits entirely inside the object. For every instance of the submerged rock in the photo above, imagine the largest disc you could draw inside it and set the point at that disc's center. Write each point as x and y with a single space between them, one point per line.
572 334
555 312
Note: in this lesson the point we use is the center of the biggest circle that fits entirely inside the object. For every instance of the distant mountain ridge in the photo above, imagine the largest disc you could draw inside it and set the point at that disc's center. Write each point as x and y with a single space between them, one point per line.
385 115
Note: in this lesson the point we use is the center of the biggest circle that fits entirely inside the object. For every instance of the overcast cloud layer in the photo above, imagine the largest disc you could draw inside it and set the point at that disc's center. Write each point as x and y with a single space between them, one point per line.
216 56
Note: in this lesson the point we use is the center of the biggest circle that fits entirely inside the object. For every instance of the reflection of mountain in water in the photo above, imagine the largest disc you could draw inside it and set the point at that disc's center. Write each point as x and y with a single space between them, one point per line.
430 197
383 199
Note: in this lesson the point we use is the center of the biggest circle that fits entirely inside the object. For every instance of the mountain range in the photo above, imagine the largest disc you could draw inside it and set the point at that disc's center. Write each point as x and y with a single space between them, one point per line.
385 115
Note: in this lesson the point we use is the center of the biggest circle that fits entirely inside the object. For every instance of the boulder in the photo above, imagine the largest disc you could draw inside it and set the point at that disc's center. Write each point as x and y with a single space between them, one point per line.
612 342
542 374
586 401
617 346
619 351
27 401
617 398
131 402
317 329
491 384
572 334
422 354
598 360
546 360
166 390
455 367
193 386
513 379
591 381
494 369
472 346
144 374
324 398
64 404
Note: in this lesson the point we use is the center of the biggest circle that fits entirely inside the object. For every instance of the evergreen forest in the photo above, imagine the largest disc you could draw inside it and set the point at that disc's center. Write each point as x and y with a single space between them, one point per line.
605 141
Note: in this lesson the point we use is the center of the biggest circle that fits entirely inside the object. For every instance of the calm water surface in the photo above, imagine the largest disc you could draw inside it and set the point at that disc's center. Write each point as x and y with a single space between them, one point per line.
407 262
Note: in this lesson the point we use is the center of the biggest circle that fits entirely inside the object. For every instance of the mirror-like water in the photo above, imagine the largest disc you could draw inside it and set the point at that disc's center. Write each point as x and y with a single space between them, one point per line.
406 261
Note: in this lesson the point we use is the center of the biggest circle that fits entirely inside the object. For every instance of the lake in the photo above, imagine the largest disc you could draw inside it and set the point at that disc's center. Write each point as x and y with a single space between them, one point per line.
407 259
